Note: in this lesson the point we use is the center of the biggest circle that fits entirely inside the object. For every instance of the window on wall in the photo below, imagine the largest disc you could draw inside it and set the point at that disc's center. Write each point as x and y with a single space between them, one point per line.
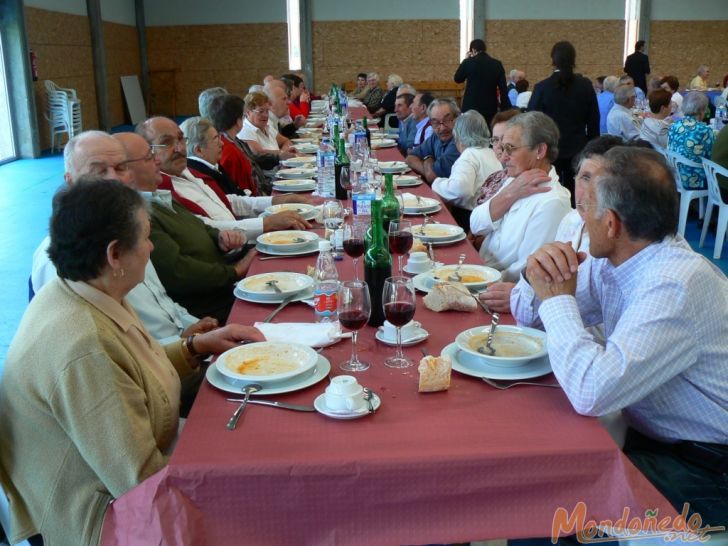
467 15
631 24
294 34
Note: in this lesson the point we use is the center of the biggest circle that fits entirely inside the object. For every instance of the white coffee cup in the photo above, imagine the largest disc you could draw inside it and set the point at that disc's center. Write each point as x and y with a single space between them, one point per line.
409 330
344 393
419 262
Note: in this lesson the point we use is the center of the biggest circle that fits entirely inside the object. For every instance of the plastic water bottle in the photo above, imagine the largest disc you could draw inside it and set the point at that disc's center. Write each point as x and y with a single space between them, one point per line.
326 176
720 116
360 140
361 199
326 285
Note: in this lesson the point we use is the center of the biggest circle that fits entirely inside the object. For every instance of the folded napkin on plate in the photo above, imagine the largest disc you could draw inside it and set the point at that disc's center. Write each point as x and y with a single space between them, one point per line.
313 335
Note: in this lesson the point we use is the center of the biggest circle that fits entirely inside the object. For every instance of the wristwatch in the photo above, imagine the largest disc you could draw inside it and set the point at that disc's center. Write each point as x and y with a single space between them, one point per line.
188 350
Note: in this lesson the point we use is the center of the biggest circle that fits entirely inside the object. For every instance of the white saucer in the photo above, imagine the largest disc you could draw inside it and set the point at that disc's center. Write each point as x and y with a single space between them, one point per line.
407 269
322 369
321 407
275 252
477 367
421 335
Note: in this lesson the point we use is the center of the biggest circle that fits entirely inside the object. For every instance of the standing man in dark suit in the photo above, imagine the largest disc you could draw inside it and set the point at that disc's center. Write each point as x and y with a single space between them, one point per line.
485 90
637 65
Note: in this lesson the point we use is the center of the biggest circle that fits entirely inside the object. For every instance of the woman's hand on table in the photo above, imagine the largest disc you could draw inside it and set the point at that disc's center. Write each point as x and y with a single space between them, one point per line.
205 324
498 297
220 340
284 220
230 239
242 266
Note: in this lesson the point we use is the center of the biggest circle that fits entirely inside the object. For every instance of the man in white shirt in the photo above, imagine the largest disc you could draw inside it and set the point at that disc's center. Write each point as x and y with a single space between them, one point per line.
171 144
665 314
418 109
620 121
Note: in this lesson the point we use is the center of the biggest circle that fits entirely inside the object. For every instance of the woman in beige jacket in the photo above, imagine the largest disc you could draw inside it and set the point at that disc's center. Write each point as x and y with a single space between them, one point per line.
89 401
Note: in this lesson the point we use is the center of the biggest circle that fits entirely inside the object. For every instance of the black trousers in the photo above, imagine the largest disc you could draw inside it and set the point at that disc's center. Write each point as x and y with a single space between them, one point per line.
566 175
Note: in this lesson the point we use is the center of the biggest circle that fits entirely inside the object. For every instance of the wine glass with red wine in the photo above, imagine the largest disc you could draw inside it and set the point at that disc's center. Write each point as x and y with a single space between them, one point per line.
354 243
398 300
400 239
354 308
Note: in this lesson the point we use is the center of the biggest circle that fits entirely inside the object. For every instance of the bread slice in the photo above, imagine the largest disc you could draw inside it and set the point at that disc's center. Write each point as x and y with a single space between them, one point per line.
453 296
417 245
434 373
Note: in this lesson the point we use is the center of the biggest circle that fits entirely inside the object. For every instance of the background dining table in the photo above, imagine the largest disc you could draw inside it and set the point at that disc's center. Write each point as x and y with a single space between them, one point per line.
470 463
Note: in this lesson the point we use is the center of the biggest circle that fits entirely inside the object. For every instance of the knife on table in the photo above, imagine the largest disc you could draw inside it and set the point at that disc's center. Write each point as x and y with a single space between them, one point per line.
275 404
285 302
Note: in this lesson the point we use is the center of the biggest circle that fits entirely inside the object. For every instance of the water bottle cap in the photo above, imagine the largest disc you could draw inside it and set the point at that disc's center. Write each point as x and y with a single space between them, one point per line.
325 246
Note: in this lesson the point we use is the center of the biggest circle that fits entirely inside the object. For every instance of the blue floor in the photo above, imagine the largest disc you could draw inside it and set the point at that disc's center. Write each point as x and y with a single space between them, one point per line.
25 205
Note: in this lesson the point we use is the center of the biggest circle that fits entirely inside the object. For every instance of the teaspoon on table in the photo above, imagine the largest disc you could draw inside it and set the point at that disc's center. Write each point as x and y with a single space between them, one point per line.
248 389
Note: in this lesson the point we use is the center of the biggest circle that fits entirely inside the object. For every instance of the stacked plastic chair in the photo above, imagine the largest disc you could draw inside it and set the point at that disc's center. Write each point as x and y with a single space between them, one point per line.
63 113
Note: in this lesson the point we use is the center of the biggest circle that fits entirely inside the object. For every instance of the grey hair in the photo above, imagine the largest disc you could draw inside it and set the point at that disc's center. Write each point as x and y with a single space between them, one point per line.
702 68
610 83
373 76
72 148
195 129
256 88
454 110
206 98
471 130
513 73
394 80
623 93
538 128
695 103
406 88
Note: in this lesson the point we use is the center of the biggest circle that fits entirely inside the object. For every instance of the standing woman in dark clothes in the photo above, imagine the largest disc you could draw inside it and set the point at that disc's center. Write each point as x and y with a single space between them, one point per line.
570 101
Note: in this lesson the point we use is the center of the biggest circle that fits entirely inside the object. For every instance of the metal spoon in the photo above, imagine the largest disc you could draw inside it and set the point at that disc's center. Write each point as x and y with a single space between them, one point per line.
274 285
455 275
488 349
248 389
368 397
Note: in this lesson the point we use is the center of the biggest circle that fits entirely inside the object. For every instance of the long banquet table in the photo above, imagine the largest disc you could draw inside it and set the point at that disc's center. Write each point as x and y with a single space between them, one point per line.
471 463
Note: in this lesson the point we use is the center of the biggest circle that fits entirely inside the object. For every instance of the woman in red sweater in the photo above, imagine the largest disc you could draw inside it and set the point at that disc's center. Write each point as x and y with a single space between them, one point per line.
299 103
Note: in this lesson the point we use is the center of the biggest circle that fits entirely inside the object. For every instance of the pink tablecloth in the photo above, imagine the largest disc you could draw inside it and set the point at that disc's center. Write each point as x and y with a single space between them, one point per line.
470 463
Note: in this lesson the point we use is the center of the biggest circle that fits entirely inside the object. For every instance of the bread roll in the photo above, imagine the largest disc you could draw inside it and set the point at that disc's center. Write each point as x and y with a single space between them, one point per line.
452 296
434 373
418 246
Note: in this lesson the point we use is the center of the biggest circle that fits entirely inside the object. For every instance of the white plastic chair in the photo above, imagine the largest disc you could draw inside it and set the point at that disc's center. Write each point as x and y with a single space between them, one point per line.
714 198
686 195
63 112
387 125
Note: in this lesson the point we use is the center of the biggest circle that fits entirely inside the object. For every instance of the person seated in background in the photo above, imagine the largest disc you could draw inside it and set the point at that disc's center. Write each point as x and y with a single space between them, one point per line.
407 124
693 139
435 156
620 121
475 164
279 116
361 87
599 84
627 80
720 156
263 137
656 124
605 101
206 97
571 230
85 379
523 95
386 106
423 127
700 81
299 103
653 83
207 200
664 308
527 209
374 95
671 84
515 76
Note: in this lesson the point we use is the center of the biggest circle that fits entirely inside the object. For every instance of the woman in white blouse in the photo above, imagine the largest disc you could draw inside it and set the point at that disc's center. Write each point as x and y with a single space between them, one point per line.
476 163
259 132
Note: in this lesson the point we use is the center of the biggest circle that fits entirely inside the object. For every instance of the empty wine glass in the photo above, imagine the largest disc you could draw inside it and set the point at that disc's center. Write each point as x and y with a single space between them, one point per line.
354 243
398 300
354 307
400 239
333 213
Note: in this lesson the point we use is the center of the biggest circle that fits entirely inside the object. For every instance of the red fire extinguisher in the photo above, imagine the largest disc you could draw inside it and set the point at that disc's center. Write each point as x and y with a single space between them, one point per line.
33 65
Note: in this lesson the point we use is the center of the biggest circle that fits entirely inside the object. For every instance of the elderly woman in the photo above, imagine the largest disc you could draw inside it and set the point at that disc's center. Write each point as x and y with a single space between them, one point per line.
657 122
259 132
475 164
672 84
700 81
387 105
89 401
526 211
692 138
299 103
374 95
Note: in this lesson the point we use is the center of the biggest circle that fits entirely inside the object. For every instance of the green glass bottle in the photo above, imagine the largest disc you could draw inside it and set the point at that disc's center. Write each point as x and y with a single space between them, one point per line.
377 266
366 130
335 137
390 205
342 160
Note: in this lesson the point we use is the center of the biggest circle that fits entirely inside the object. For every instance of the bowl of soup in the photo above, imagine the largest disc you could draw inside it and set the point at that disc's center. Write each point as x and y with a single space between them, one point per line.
514 345
266 362
472 276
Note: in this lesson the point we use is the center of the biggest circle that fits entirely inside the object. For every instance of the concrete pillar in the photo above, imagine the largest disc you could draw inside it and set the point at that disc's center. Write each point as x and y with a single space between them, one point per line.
93 7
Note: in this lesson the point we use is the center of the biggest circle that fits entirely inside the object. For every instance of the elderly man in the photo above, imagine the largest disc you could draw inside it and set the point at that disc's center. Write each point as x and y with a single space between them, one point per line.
700 81
605 101
374 95
204 100
279 116
406 89
418 109
201 199
620 121
434 157
665 315
515 77
407 125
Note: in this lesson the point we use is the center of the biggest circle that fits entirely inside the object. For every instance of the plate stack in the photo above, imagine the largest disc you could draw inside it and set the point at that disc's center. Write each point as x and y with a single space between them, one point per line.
287 243
414 204
439 234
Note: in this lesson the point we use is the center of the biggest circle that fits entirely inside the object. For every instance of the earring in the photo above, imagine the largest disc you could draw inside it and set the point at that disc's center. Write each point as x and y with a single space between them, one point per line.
119 273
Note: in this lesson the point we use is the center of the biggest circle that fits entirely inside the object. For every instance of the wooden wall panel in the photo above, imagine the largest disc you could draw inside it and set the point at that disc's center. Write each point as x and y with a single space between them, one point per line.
678 47
202 56
122 59
526 45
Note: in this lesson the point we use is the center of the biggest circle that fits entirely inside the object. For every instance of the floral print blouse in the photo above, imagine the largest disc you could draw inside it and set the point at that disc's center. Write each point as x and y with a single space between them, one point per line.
694 140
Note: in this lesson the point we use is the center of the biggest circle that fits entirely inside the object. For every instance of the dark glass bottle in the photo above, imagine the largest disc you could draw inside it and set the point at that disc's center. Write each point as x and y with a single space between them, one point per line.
366 130
342 160
377 265
390 205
